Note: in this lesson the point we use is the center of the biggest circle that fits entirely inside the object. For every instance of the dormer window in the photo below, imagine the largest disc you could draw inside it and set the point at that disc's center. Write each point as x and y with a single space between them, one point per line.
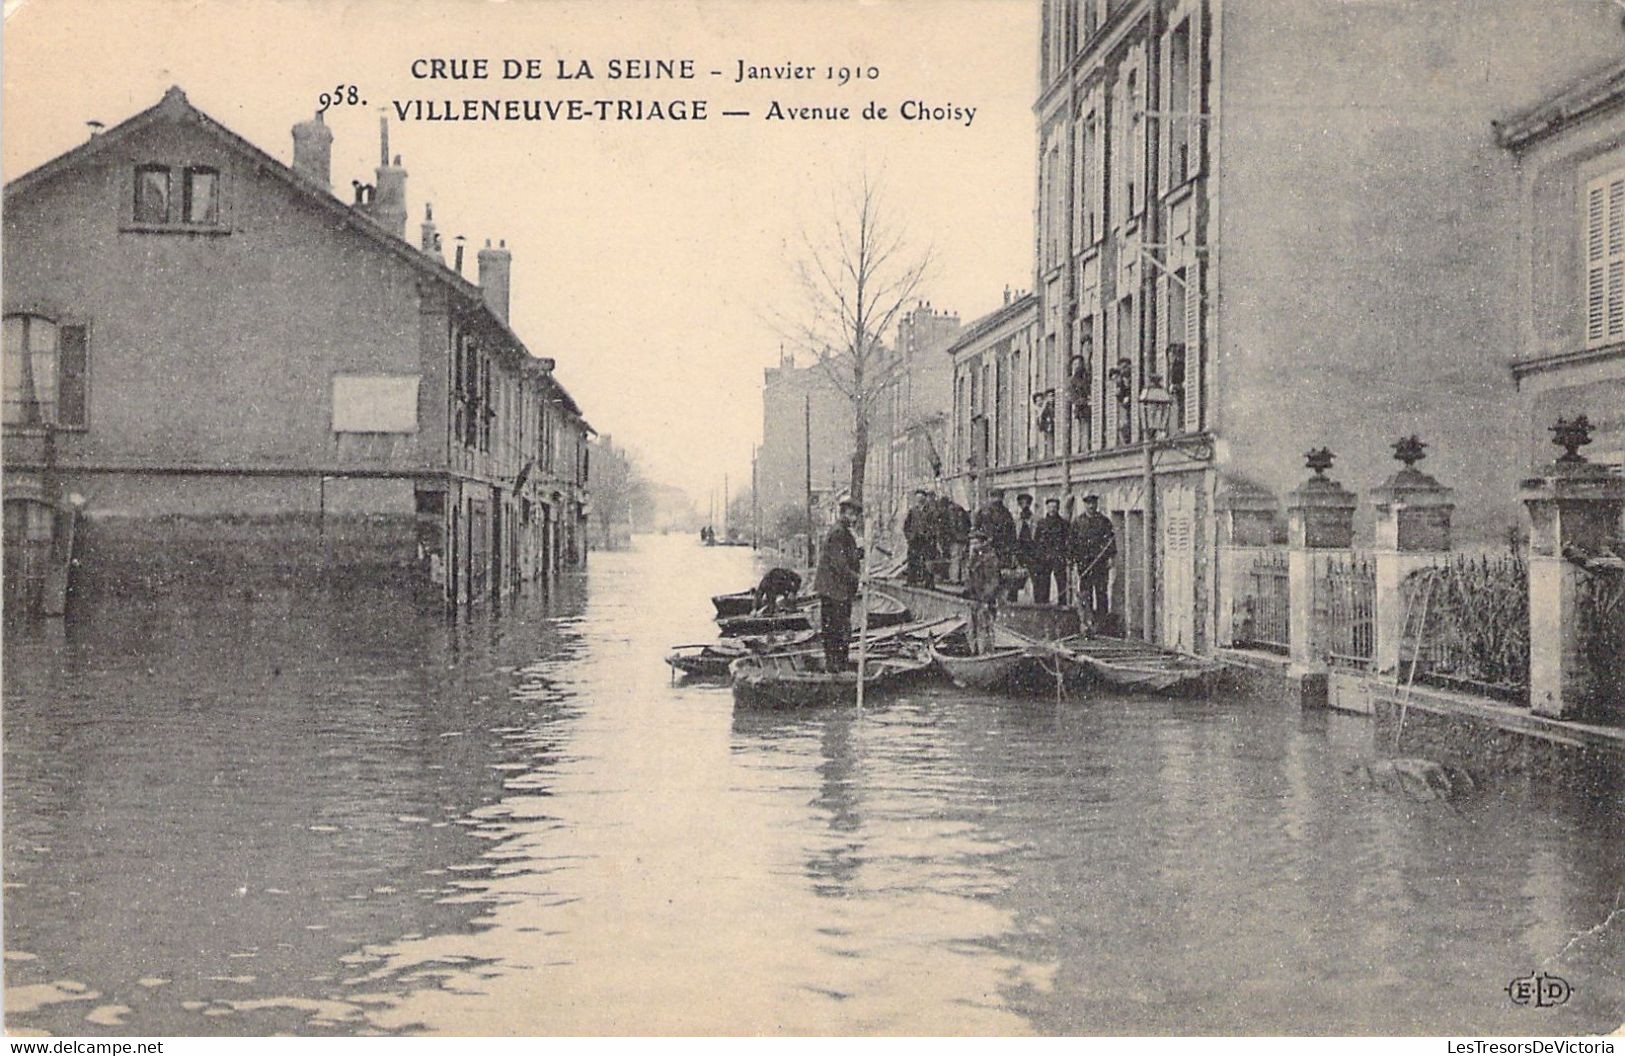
152 194
202 199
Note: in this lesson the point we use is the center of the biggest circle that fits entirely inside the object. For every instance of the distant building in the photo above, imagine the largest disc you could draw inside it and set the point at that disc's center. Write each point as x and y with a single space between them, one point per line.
1293 214
217 363
908 417
1570 157
802 407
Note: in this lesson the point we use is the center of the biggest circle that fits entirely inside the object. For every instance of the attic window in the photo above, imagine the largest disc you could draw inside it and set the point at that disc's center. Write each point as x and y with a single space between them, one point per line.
202 196
152 194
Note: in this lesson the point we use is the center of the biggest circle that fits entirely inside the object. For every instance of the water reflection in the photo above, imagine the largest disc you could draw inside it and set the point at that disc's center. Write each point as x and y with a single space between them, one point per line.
292 813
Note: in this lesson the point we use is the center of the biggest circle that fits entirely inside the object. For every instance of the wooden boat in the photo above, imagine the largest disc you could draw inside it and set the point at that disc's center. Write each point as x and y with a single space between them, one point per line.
884 611
1139 666
1010 665
786 681
712 659
743 603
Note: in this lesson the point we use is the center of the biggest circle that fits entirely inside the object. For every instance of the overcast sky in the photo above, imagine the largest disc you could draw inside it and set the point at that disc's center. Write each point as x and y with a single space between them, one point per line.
648 257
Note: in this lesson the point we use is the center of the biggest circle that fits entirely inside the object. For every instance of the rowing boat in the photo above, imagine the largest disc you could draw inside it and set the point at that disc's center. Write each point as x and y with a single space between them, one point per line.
785 681
1139 666
884 611
1007 666
743 603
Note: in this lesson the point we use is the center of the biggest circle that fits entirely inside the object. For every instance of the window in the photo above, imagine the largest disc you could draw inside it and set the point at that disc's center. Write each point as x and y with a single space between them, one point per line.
1178 99
152 194
44 372
1605 259
202 204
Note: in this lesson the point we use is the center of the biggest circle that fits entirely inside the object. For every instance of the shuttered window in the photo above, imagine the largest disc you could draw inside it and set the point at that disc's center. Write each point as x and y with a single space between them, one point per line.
46 366
1604 249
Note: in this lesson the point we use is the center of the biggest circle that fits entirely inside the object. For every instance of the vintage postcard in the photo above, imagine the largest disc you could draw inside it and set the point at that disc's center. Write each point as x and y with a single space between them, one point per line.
814 517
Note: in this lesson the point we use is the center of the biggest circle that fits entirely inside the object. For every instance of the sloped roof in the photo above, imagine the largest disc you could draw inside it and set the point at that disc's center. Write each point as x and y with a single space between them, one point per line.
175 108
1602 90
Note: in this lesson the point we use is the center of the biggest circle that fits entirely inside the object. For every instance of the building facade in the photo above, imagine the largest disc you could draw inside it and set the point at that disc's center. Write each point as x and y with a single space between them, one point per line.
804 412
1569 152
909 416
212 361
1292 216
996 427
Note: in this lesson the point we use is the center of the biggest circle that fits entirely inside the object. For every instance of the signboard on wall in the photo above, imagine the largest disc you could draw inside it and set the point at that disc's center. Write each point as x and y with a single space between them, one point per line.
375 403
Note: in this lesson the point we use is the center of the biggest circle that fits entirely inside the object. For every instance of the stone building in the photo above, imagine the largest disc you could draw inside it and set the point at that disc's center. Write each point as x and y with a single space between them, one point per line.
1291 214
1569 153
997 427
214 364
908 416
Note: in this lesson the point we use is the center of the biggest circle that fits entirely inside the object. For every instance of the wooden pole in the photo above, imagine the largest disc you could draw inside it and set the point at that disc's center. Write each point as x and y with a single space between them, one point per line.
806 418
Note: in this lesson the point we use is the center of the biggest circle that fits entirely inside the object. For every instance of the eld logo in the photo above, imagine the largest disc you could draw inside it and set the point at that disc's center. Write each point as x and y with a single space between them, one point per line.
1540 990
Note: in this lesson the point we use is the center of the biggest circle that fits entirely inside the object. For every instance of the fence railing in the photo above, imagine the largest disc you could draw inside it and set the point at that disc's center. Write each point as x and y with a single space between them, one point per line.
1467 626
1261 612
1600 608
1346 607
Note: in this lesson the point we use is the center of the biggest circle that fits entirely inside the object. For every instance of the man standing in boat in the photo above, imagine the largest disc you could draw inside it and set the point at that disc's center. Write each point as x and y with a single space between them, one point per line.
840 562
984 583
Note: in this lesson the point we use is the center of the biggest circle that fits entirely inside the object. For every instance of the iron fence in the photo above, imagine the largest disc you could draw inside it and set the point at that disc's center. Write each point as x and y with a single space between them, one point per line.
1600 611
1346 606
1262 606
1467 626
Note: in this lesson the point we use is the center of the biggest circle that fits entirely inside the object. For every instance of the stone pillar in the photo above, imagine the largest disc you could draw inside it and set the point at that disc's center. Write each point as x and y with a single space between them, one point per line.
1412 530
1320 516
1247 519
1574 509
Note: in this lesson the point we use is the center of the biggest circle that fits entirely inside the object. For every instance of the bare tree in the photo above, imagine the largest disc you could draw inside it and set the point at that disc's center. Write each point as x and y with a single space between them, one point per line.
856 279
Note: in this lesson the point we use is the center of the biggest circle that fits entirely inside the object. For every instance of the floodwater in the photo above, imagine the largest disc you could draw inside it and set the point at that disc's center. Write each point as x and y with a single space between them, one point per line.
281 813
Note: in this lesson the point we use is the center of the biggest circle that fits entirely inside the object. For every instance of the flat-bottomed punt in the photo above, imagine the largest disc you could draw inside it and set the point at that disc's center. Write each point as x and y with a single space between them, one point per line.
1139 667
790 681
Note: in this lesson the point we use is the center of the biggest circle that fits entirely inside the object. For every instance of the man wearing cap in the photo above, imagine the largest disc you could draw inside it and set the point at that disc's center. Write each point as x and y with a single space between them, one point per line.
1026 543
840 563
919 530
1050 549
1094 544
956 529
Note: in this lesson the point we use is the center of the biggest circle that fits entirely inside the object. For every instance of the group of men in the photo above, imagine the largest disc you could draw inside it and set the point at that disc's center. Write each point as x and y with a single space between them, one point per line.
937 530
998 551
1039 549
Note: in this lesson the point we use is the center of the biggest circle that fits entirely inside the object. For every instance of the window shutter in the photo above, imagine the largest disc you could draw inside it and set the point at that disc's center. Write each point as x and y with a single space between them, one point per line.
73 348
1194 357
1604 249
1140 121
1164 330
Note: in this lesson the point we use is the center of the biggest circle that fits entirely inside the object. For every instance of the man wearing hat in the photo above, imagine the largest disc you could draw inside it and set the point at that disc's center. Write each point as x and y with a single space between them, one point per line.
1093 544
995 521
919 530
840 563
1026 542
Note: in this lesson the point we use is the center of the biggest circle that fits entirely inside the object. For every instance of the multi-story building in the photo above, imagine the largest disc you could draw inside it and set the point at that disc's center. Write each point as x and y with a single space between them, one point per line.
908 416
804 411
998 427
1569 151
210 358
1292 214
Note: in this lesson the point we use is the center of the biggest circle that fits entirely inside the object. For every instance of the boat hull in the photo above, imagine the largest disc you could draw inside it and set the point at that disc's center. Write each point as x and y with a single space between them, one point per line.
790 683
1002 669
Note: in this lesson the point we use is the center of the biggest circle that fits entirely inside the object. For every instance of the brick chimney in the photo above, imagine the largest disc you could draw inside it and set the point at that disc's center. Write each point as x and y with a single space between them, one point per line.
313 151
495 268
429 237
389 206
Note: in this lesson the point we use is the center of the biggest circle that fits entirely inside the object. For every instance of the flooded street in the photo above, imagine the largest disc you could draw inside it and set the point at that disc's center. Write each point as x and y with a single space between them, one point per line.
274 814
